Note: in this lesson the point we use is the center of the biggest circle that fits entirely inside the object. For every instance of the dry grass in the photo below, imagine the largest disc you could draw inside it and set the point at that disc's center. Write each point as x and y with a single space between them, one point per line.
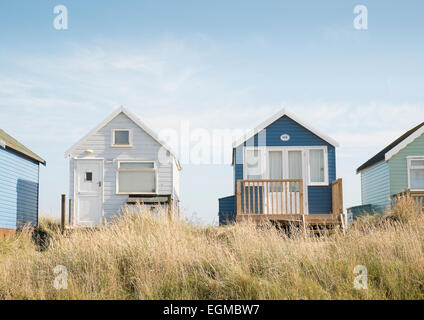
143 257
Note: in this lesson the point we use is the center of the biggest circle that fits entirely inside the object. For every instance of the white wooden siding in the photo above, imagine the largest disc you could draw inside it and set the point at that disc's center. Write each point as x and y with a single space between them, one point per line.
144 148
176 179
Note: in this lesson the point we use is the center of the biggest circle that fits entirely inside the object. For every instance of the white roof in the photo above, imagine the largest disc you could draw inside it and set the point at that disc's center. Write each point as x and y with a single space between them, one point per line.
277 116
404 143
136 120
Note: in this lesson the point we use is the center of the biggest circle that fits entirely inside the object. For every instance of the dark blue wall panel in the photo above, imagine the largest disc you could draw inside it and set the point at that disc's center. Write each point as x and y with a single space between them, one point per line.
227 210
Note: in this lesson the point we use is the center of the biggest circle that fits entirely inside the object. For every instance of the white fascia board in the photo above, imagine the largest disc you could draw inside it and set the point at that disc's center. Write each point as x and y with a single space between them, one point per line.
404 143
277 116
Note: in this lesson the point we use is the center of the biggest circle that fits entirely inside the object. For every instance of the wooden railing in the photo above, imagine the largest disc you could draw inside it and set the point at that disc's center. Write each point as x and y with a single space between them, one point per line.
417 196
337 196
270 197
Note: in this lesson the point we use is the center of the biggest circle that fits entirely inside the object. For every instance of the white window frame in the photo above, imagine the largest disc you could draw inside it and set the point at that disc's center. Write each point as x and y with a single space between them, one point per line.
285 150
409 161
118 169
130 137
308 163
85 176
264 157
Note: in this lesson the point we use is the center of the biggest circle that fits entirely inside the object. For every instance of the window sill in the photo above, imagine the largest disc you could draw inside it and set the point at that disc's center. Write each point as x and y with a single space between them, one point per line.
121 146
318 184
133 193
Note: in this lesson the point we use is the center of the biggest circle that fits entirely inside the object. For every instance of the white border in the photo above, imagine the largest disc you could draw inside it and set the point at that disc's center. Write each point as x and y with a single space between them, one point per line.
326 178
409 160
277 116
404 143
75 213
155 169
284 150
130 139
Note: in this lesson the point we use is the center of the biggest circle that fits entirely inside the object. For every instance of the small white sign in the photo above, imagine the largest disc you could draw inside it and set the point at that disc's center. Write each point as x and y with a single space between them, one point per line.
285 137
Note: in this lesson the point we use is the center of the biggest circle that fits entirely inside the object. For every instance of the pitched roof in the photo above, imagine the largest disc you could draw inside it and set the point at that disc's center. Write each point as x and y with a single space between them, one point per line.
394 147
6 141
136 120
277 116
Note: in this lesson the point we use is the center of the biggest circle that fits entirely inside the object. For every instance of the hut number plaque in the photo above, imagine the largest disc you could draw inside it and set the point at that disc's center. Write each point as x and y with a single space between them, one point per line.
285 137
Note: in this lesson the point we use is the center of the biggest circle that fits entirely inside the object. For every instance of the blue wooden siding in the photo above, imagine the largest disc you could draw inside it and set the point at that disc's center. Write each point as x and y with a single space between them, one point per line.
227 210
375 185
18 190
319 197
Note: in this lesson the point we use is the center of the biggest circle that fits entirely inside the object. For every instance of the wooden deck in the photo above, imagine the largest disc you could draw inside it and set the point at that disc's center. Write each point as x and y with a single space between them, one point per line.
282 201
307 218
416 196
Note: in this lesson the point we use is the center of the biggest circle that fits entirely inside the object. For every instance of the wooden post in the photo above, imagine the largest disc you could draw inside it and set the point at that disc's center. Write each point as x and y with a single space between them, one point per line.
238 196
301 197
170 207
63 216
337 196
342 222
304 225
70 212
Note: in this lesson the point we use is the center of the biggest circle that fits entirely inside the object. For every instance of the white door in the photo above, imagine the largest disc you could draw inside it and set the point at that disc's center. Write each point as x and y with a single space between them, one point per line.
89 192
285 164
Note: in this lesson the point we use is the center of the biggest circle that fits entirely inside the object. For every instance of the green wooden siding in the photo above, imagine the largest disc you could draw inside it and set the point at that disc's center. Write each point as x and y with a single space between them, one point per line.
398 165
375 182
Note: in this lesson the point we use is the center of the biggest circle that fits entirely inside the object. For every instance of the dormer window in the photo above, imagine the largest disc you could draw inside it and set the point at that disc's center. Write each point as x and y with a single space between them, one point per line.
121 138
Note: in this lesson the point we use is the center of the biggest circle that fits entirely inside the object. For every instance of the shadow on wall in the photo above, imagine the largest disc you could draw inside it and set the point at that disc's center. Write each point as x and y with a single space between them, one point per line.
26 203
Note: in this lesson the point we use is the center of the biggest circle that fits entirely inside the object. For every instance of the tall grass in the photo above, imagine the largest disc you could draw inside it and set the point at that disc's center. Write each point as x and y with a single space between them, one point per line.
140 256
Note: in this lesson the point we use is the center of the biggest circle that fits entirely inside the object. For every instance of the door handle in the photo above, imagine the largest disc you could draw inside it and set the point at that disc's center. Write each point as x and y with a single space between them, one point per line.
100 184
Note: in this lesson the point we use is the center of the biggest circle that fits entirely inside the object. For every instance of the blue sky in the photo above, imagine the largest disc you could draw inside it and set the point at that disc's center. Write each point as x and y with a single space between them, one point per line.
217 64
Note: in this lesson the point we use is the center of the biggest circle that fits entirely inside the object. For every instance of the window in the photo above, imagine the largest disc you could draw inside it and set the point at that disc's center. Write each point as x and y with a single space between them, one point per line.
89 176
121 138
136 177
275 164
295 164
318 167
316 163
253 162
416 173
